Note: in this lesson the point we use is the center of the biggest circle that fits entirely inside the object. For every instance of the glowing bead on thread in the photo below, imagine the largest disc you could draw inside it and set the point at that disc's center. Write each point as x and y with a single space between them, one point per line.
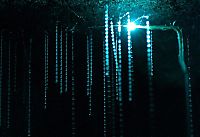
56 52
189 93
120 62
104 89
114 78
73 91
61 74
46 70
130 79
90 72
115 57
120 81
88 67
107 69
150 73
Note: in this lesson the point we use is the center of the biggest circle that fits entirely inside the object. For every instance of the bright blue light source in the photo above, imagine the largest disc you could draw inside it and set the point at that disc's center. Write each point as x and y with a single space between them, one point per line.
131 26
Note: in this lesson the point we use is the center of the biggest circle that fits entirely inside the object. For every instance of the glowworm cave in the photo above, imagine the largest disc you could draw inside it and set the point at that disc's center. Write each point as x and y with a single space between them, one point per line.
99 68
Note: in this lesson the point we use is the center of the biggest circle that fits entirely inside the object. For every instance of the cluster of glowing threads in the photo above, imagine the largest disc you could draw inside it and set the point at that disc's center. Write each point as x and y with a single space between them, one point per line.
46 71
61 74
130 64
73 91
56 52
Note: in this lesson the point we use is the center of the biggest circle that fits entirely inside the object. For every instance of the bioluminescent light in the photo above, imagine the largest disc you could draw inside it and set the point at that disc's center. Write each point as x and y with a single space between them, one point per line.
131 26
66 61
89 70
91 79
130 64
107 70
120 82
56 53
46 71
9 85
29 89
114 78
1 73
61 64
73 92
189 93
150 74
104 90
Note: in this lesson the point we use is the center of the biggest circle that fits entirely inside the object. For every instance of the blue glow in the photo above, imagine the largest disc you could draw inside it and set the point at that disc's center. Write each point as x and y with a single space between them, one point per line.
114 77
150 74
120 81
131 26
107 71
130 64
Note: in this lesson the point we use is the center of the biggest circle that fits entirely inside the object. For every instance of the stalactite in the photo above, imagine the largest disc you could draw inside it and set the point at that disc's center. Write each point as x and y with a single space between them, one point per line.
66 61
61 64
1 75
114 78
9 85
73 92
56 80
130 64
121 131
29 88
150 75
